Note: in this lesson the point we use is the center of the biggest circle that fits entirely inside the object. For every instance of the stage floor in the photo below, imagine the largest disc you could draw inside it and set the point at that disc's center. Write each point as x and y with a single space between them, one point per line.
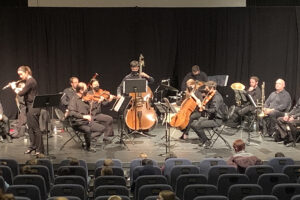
152 146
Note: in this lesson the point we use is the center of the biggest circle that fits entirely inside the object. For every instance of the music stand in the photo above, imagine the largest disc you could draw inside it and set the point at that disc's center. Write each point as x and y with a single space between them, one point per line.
47 101
135 86
120 109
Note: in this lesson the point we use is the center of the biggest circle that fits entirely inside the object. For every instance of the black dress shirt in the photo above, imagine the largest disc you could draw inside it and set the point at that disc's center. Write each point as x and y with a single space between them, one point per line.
255 94
132 76
213 107
280 101
29 91
199 77
69 93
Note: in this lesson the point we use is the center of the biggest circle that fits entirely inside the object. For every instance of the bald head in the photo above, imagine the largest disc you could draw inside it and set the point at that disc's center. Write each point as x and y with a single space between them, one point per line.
279 85
81 87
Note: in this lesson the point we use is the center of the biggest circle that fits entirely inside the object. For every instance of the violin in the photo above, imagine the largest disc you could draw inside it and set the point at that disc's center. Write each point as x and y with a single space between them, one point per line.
207 98
97 96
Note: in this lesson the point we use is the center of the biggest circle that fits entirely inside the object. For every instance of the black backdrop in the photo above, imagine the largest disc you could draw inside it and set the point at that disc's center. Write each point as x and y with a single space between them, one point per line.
61 42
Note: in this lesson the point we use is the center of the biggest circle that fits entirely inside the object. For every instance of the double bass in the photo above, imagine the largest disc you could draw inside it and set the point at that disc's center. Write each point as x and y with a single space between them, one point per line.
141 116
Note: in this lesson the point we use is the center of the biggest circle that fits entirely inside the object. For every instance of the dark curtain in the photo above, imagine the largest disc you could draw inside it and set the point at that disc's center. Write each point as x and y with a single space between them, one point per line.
62 42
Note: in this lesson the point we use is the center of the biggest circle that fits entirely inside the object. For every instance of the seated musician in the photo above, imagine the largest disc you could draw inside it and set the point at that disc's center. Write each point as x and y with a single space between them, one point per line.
103 98
243 110
4 126
213 109
134 74
82 119
192 88
69 93
196 75
276 105
286 126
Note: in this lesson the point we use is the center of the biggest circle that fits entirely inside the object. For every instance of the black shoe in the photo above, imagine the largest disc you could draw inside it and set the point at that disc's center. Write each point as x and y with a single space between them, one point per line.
207 144
28 151
9 140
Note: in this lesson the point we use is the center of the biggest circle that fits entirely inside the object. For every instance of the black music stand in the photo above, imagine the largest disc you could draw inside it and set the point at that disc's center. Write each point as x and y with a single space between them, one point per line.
166 108
120 111
135 86
47 101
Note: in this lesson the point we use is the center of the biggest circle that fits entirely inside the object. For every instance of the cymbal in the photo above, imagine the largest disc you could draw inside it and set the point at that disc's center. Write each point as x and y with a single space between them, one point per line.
237 86
168 87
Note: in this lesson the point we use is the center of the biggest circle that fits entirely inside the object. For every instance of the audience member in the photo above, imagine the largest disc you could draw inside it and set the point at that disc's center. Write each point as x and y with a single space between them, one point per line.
241 159
115 197
279 154
170 155
6 185
108 162
106 171
73 161
166 195
143 156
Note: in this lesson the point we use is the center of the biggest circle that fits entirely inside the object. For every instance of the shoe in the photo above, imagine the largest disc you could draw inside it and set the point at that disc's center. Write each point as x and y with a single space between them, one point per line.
184 137
1 139
280 142
289 144
9 140
90 149
207 144
107 141
28 151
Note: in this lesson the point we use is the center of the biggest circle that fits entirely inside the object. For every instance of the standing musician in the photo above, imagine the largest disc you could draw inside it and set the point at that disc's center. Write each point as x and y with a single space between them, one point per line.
134 66
29 92
101 97
286 126
214 111
80 111
192 88
255 93
69 93
196 75
4 126
277 103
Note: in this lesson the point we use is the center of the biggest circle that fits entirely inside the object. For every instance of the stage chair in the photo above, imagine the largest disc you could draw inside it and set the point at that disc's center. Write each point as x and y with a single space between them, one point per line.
206 163
296 197
215 171
285 191
78 180
47 163
193 191
216 133
117 171
74 171
111 190
176 171
7 174
30 191
36 180
135 163
67 197
12 164
68 190
148 180
239 191
211 197
227 180
188 179
253 172
260 197
109 180
106 197
293 172
279 162
268 181
117 163
151 190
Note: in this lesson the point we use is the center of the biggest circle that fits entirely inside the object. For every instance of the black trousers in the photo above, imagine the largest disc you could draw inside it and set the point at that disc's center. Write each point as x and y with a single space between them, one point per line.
4 126
270 121
21 123
283 133
194 116
107 122
203 123
35 134
88 129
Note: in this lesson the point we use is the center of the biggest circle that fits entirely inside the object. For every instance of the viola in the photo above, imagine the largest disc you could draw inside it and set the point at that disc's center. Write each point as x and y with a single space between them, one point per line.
96 96
207 98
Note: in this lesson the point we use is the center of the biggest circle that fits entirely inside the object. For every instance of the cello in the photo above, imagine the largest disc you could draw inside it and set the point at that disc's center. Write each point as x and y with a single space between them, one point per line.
141 116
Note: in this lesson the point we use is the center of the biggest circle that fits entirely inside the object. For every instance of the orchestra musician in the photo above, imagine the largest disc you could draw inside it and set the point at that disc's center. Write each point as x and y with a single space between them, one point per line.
214 112
101 98
69 93
80 111
286 126
243 110
4 126
29 92
276 105
196 75
192 88
134 74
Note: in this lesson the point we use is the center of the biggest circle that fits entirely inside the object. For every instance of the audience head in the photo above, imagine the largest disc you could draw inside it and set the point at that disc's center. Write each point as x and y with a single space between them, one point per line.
147 162
64 171
74 82
279 85
115 197
61 198
143 156
279 154
170 155
166 195
106 171
195 70
239 145
73 161
108 162
28 170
